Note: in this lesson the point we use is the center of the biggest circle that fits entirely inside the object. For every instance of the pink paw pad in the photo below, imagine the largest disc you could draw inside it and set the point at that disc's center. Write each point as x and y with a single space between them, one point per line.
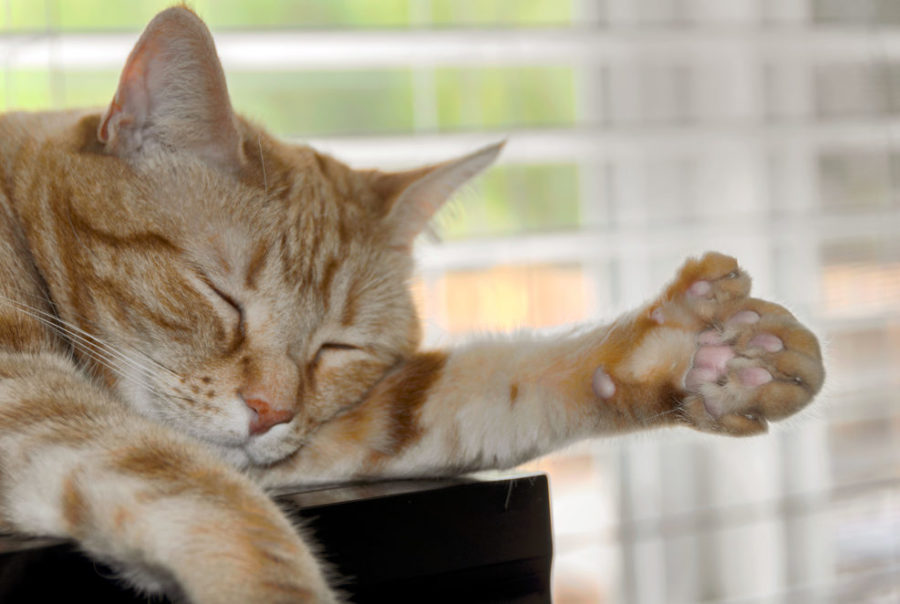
698 376
713 357
701 289
754 376
767 341
745 317
603 384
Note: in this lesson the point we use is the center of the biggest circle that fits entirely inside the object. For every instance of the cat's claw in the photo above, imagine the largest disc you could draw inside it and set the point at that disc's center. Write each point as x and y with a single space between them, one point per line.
753 361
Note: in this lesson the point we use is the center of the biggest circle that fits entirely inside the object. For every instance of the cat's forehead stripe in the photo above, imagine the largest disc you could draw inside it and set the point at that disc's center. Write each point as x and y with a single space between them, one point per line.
331 268
255 265
348 315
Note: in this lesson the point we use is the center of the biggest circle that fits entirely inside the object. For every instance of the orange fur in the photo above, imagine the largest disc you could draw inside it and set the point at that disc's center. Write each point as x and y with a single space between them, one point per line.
171 276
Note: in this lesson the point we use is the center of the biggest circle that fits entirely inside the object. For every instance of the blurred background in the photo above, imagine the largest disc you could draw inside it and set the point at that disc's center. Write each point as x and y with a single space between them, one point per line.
640 132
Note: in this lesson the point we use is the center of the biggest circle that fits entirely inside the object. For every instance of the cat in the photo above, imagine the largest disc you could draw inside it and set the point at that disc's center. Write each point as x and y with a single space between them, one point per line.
192 312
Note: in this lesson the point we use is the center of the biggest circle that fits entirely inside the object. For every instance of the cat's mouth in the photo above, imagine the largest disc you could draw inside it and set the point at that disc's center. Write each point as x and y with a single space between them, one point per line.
247 456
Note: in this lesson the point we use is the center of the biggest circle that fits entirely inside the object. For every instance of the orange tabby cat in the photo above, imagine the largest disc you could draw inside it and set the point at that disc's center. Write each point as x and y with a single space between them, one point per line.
193 311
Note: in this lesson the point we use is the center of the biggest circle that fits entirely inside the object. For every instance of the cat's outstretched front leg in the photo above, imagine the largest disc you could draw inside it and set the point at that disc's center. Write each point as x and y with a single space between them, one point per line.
703 354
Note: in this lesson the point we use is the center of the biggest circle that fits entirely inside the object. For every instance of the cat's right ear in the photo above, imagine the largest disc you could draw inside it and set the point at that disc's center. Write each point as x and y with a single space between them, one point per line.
172 95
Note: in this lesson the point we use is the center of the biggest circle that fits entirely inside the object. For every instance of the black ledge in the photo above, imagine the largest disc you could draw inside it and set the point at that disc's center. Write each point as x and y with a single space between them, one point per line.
470 539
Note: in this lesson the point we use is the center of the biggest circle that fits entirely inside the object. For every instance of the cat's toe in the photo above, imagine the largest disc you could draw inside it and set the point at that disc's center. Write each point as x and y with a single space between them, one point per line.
704 288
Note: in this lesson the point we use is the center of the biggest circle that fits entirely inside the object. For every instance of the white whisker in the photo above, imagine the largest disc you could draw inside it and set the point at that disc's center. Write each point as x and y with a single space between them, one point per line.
660 414
56 321
263 164
87 343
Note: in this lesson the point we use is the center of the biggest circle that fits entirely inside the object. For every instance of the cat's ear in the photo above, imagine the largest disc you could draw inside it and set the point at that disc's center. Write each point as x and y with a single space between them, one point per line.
172 94
413 197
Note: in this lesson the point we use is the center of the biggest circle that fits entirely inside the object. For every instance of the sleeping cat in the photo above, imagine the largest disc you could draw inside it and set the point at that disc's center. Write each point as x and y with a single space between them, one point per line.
192 312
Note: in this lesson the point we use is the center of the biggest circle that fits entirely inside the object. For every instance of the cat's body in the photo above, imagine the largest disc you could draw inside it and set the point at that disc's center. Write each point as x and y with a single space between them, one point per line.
191 311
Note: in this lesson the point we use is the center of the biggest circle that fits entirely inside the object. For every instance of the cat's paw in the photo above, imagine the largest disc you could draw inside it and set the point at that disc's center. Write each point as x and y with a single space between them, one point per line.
752 360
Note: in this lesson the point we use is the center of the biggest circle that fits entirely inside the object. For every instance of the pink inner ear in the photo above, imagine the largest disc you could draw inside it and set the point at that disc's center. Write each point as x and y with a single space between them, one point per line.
418 202
103 131
130 101
172 91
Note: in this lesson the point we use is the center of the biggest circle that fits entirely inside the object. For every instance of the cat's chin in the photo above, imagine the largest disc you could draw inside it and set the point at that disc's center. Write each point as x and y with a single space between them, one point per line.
246 456
266 456
255 452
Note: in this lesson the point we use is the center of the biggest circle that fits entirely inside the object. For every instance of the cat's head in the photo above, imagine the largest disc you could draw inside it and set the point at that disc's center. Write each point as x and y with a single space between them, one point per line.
258 288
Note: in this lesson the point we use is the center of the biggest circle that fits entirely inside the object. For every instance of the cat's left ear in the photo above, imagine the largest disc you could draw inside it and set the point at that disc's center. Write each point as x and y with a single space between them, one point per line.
172 95
413 197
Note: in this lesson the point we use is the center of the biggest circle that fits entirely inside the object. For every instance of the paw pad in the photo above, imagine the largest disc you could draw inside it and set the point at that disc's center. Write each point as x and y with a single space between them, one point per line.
701 289
745 317
754 376
767 341
604 387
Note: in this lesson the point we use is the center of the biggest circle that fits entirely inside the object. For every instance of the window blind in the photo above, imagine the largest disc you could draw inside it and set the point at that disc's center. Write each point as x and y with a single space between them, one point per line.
639 132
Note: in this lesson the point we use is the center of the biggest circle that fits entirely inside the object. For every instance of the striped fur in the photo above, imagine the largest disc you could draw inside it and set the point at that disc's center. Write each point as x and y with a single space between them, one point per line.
192 311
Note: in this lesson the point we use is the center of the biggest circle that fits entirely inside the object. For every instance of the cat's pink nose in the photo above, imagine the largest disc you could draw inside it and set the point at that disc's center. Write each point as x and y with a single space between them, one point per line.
266 415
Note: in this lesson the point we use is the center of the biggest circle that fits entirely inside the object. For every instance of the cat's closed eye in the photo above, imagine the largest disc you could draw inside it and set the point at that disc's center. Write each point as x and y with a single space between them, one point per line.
236 307
231 302
331 347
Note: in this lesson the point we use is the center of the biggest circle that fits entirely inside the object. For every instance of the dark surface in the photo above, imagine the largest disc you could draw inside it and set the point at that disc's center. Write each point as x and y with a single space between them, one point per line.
460 540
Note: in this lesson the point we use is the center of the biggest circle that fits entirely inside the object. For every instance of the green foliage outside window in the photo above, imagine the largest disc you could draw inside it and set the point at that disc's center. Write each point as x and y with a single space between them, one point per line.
94 15
354 102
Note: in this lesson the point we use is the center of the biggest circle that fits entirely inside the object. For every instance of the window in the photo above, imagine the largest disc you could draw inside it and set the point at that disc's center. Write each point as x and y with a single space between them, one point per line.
640 131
